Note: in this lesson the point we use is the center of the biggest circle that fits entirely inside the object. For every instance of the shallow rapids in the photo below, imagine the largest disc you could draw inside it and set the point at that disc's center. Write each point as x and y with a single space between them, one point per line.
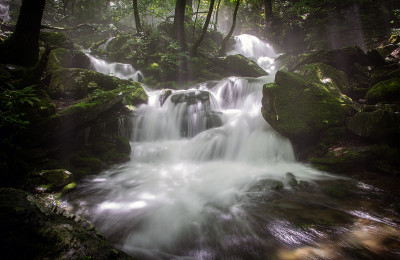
210 179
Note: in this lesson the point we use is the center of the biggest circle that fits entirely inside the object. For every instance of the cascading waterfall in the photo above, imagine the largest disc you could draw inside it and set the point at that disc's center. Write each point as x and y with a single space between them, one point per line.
210 179
120 70
253 48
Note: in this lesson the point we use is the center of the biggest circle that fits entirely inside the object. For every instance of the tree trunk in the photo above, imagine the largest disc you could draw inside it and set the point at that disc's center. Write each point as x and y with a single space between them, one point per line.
179 21
137 17
22 47
195 20
216 16
205 27
222 50
268 12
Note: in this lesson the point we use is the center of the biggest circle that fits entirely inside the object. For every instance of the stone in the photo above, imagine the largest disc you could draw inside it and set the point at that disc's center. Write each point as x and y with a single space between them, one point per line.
31 228
385 91
239 65
300 109
376 125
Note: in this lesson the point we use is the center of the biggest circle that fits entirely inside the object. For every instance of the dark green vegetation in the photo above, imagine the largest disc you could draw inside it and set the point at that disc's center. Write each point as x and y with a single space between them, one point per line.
61 121
340 108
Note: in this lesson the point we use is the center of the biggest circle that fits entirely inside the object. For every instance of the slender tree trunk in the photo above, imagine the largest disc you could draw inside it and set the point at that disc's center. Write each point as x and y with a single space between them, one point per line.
179 28
222 50
205 27
195 20
189 11
179 23
268 12
137 17
22 47
216 16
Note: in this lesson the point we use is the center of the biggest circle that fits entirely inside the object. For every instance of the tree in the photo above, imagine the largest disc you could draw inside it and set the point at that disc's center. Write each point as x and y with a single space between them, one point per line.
222 50
179 23
137 17
22 47
268 12
216 16
205 27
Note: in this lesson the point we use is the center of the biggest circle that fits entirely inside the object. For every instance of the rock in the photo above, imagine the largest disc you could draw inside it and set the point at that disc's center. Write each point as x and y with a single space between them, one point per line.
80 60
342 59
49 180
300 109
69 83
77 83
71 120
238 65
44 231
93 164
376 125
56 40
123 145
165 93
320 72
385 91
59 58
190 97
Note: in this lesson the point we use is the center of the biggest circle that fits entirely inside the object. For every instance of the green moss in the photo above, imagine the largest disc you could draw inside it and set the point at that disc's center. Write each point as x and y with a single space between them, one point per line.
379 124
238 65
123 145
385 91
295 107
113 156
322 73
94 164
59 58
56 40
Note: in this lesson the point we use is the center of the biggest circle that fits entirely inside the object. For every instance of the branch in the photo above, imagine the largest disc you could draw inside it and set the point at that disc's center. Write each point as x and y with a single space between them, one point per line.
69 29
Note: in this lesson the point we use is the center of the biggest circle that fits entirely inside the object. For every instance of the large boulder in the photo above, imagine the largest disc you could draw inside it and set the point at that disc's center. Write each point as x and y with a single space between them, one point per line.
376 125
300 109
385 91
343 59
239 65
78 83
33 229
56 40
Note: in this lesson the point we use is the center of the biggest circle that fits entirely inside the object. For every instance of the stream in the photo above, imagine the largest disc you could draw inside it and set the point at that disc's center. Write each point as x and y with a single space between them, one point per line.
210 179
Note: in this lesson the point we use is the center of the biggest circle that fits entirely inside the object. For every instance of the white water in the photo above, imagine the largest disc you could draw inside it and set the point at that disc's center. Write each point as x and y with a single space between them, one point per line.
255 49
187 193
116 69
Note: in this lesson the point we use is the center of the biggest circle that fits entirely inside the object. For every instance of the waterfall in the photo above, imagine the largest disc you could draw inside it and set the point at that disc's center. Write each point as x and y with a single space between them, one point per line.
204 168
253 48
120 70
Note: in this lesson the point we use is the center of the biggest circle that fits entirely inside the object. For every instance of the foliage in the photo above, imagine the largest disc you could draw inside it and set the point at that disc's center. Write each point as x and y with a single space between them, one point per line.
14 104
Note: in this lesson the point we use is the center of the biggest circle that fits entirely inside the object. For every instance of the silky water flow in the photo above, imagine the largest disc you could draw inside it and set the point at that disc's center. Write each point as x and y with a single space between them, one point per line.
210 179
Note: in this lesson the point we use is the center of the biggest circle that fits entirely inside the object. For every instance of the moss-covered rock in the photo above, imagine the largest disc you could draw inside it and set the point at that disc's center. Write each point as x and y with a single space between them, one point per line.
239 65
301 109
49 180
45 231
385 91
59 58
123 145
342 59
322 73
94 164
69 83
378 125
56 40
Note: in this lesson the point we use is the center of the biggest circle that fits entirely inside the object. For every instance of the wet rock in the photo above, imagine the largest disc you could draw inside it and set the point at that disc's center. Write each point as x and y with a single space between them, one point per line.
238 65
190 97
165 93
122 145
301 109
44 231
